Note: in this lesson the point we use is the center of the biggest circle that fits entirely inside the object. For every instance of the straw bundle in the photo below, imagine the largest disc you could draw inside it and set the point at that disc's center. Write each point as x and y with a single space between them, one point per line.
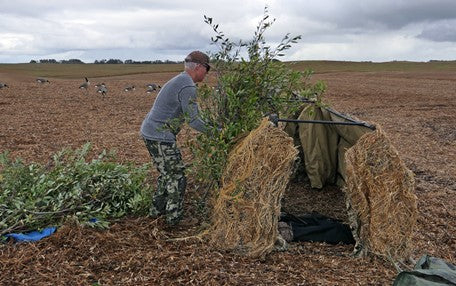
382 206
248 206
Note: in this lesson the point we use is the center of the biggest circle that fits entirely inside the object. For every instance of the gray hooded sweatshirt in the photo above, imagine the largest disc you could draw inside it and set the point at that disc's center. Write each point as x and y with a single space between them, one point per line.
175 103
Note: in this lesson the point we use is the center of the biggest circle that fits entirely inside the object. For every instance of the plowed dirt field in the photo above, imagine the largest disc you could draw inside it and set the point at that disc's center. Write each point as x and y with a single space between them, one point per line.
417 110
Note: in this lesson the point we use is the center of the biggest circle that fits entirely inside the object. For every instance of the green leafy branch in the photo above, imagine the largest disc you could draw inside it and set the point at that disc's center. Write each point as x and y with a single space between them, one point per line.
247 89
70 188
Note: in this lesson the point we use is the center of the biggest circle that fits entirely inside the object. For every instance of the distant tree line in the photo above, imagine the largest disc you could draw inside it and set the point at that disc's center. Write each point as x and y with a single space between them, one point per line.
103 61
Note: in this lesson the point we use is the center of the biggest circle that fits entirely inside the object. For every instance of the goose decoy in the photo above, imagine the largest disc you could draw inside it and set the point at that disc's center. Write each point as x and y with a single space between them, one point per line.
2 85
42 80
129 88
151 87
85 85
102 89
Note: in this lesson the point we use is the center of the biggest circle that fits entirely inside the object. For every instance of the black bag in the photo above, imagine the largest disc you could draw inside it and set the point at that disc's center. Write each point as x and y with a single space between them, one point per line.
318 228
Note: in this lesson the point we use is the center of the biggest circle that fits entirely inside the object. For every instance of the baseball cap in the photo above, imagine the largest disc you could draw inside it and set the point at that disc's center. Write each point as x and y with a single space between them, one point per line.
199 58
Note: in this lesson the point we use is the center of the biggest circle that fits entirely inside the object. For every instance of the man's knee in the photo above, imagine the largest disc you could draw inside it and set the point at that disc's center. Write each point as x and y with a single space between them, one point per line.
176 188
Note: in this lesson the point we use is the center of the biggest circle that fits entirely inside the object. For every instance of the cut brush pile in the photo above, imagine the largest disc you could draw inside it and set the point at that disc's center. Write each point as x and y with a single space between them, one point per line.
247 209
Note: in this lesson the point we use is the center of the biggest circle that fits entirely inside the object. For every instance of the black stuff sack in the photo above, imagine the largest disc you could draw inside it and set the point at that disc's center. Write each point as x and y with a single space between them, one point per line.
318 228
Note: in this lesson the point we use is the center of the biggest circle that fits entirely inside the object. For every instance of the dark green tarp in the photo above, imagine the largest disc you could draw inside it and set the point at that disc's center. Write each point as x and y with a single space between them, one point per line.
428 271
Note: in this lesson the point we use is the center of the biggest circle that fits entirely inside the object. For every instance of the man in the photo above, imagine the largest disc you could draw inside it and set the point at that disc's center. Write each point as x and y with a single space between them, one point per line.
175 103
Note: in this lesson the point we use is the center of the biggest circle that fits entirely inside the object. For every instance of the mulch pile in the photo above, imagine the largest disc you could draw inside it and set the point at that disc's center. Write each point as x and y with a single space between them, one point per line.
141 251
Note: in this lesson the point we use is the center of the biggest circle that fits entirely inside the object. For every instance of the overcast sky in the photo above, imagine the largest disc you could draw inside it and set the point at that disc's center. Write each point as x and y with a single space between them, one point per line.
350 30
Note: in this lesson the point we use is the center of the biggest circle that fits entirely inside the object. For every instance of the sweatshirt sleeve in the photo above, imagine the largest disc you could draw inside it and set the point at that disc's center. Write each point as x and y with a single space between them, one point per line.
187 98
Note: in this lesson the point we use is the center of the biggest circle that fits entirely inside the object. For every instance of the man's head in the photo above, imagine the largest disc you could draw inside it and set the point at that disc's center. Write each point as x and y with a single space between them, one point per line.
197 65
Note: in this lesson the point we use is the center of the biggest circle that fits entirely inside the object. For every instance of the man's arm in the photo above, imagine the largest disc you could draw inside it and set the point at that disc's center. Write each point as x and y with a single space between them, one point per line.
187 98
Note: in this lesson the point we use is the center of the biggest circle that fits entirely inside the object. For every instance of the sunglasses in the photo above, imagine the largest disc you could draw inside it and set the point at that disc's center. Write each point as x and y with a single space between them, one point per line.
208 67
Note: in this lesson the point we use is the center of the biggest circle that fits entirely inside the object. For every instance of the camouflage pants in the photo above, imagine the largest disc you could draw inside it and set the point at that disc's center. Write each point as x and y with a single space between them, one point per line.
169 196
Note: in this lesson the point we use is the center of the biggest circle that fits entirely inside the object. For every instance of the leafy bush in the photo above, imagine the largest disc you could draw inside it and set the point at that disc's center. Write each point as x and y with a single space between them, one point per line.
247 89
70 188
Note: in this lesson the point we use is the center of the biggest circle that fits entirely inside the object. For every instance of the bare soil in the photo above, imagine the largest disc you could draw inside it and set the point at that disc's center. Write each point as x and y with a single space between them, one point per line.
416 109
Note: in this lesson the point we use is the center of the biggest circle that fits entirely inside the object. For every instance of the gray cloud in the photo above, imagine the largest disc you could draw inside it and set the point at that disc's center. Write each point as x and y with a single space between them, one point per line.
370 14
442 31
161 29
